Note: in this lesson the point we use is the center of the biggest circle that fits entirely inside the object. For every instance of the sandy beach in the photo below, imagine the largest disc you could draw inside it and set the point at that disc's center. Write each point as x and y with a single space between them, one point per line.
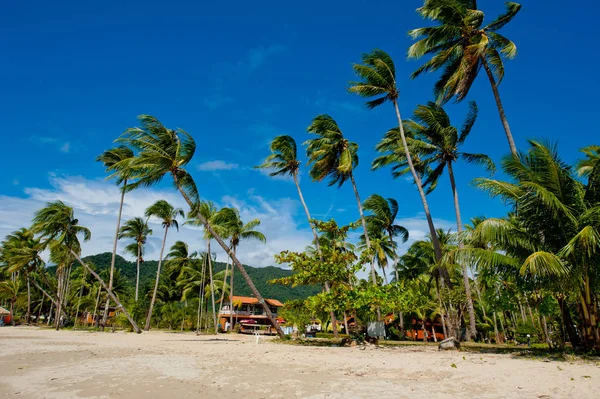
37 363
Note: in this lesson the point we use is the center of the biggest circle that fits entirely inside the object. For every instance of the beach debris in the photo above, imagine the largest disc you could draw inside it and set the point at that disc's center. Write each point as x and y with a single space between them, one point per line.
449 344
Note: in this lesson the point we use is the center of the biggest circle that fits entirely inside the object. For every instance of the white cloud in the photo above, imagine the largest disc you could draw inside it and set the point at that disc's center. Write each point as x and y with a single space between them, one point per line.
66 147
96 203
216 165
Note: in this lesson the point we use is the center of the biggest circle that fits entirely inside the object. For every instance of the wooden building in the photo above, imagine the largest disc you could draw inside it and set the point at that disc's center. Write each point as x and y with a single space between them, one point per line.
249 315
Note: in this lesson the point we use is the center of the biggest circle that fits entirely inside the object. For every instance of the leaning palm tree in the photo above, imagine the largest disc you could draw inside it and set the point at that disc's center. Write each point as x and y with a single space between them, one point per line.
284 161
117 162
461 46
167 214
237 231
56 225
438 144
164 151
378 79
332 155
136 229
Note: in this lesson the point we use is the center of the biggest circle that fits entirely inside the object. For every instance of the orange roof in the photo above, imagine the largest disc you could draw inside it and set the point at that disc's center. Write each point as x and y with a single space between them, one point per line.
253 301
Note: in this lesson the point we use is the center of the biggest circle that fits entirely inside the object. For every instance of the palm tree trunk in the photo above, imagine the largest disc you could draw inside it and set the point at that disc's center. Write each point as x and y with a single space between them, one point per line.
472 324
481 303
12 312
198 316
212 286
162 249
367 240
96 306
509 137
504 336
231 296
114 253
546 333
496 329
137 274
202 285
235 260
28 316
434 238
59 299
50 313
318 246
79 300
224 283
110 293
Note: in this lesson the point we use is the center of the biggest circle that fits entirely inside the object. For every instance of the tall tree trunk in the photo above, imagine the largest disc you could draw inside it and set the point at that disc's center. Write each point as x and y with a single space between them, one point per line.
504 336
224 283
109 292
231 296
96 306
472 324
50 313
367 239
434 238
235 260
202 294
334 325
137 274
496 329
198 316
28 316
12 312
114 254
212 286
509 137
79 299
162 250
481 303
568 323
59 299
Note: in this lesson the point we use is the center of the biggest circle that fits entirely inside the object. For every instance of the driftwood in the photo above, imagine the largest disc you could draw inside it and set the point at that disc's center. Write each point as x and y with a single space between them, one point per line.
449 344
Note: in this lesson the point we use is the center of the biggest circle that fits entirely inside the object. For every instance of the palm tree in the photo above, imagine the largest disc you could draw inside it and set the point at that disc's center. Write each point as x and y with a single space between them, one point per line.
136 229
167 214
552 237
438 143
383 217
209 212
237 231
332 155
180 261
378 79
284 161
117 162
165 151
461 45
21 252
57 225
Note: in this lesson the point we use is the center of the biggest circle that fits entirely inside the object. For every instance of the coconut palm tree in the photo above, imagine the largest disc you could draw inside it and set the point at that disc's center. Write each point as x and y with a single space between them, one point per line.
383 216
284 161
138 230
331 155
550 240
163 152
461 45
378 79
237 231
117 161
21 252
438 144
209 212
167 214
57 226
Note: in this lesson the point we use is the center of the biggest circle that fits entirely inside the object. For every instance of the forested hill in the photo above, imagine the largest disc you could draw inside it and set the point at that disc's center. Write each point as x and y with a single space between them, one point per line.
260 277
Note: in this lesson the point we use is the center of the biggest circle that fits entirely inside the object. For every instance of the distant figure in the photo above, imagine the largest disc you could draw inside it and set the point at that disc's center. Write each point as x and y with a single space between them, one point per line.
227 325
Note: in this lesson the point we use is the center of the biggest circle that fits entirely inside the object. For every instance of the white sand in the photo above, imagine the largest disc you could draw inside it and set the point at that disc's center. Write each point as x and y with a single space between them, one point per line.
48 364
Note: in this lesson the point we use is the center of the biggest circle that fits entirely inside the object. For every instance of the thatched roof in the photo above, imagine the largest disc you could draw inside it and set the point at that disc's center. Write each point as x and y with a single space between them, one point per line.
3 311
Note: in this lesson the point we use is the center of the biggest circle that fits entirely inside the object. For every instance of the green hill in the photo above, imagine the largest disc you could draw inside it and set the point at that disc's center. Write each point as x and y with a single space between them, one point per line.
260 277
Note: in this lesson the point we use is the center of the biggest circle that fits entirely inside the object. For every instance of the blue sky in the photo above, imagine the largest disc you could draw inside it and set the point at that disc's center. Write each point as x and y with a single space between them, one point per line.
236 74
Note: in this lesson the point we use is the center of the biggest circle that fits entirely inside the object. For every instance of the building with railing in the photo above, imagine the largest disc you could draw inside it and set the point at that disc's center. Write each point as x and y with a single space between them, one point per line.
248 314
